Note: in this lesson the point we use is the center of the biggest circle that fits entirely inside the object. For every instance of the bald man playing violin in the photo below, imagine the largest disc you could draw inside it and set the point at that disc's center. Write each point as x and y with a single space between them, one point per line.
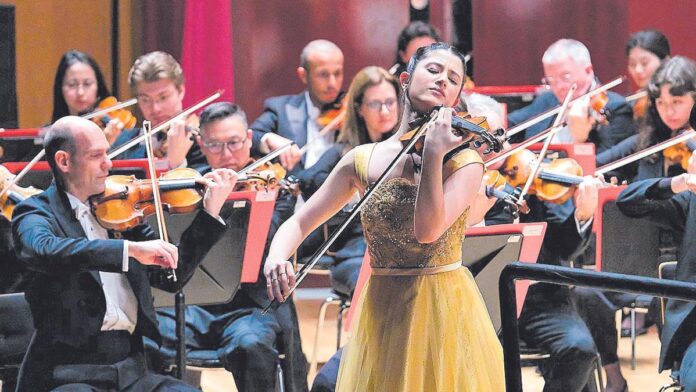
247 342
90 296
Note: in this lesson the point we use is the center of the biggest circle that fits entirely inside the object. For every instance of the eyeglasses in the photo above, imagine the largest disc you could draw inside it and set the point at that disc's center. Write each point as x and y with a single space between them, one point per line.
232 146
551 80
377 105
75 84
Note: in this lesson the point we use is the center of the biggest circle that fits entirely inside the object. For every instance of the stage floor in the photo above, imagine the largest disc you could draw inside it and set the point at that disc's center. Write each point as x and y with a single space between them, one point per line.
644 378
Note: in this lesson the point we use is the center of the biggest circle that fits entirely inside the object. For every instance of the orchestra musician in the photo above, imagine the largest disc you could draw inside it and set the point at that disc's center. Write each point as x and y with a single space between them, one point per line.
158 82
646 50
668 203
78 87
567 62
90 298
671 93
247 341
295 117
413 226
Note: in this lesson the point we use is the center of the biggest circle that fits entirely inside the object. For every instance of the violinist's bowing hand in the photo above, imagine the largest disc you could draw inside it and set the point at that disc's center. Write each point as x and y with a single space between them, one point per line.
439 138
691 168
112 130
280 277
289 157
178 143
219 185
580 121
586 198
155 252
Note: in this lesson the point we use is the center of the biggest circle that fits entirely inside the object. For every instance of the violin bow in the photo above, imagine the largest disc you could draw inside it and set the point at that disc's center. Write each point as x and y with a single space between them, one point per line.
535 120
304 271
42 153
265 158
554 129
634 97
157 199
543 116
685 136
331 126
165 124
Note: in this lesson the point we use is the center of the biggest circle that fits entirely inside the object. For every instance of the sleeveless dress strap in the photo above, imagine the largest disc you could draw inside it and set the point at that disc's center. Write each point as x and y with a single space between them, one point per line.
362 160
463 158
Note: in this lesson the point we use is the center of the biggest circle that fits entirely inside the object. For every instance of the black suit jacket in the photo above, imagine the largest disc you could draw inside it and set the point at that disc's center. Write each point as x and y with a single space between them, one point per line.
655 200
620 120
66 298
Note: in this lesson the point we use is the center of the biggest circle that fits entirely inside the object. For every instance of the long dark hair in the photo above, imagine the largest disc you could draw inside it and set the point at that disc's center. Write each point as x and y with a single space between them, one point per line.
412 30
651 40
678 72
60 107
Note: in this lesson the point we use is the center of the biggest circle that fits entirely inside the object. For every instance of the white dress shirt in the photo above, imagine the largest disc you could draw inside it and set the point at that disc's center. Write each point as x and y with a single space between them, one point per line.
315 149
121 303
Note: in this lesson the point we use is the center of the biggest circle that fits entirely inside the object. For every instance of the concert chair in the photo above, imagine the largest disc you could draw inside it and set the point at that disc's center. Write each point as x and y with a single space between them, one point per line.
668 270
628 246
16 330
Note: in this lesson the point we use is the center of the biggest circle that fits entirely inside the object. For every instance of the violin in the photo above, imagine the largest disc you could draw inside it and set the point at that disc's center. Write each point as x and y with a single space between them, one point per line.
14 195
127 201
463 124
556 181
192 127
680 153
640 108
124 116
598 106
331 111
268 176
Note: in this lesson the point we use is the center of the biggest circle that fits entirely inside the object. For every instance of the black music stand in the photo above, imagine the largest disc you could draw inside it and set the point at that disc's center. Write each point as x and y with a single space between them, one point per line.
231 261
487 250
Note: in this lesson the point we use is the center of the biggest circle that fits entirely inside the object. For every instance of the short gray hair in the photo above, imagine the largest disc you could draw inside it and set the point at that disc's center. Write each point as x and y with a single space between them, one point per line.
318 45
483 105
567 48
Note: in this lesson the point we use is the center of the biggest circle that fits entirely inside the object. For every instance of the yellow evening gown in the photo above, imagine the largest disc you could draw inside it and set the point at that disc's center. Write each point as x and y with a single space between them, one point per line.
428 332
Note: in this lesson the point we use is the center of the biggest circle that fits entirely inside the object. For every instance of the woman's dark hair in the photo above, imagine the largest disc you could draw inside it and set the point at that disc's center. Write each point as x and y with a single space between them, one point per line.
412 30
60 107
651 40
680 74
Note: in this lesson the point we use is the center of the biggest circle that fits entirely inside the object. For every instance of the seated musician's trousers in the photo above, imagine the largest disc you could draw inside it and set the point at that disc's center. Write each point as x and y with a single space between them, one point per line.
550 322
246 341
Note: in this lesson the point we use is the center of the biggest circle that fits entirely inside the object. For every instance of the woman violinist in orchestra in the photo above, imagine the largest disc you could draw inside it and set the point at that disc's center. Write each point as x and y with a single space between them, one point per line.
78 87
671 93
646 50
419 304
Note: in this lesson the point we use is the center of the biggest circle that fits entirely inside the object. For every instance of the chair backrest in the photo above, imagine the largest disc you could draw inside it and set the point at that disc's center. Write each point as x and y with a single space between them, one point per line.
624 245
19 144
16 328
233 260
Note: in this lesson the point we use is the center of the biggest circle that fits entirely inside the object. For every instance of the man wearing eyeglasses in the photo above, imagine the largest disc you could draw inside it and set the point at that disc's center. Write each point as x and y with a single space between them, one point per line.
567 62
246 341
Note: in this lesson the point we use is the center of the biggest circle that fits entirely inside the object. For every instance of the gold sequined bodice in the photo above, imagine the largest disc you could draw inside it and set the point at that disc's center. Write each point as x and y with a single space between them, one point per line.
387 220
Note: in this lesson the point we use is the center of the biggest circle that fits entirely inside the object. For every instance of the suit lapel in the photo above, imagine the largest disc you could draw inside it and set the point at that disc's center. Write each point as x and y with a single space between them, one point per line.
296 110
65 217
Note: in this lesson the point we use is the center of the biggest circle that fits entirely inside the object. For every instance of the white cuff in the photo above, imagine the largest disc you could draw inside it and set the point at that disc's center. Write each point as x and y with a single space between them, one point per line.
124 265
582 227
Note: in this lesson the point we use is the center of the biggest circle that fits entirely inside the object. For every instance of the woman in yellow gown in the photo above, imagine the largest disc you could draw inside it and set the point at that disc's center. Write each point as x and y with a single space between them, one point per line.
423 325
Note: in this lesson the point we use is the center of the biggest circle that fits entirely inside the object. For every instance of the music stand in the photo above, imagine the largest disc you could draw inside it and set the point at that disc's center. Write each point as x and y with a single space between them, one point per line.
19 144
236 258
486 251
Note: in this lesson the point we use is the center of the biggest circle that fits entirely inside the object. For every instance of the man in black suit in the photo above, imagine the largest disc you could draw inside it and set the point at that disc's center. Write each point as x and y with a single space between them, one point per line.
294 117
90 296
566 62
246 340
669 202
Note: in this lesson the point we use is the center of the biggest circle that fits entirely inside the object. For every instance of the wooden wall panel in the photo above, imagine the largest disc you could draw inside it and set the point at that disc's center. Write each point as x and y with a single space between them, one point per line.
269 36
511 36
45 30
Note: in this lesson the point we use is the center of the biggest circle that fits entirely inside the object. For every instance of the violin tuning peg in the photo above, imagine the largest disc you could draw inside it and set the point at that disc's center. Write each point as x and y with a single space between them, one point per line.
499 132
477 144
